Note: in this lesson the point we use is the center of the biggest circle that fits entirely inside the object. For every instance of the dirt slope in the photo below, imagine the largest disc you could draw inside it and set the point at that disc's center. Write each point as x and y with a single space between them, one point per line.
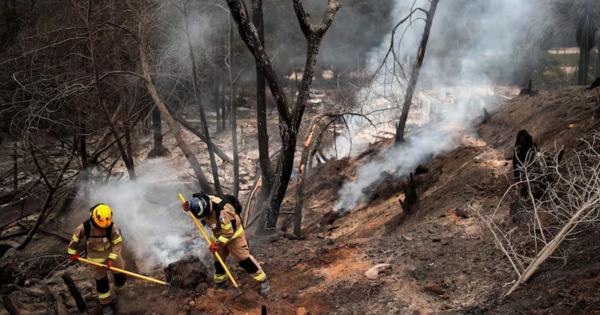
442 245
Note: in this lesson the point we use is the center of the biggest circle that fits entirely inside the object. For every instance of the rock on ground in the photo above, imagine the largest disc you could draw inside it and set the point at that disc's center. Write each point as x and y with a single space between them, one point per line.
374 272
191 271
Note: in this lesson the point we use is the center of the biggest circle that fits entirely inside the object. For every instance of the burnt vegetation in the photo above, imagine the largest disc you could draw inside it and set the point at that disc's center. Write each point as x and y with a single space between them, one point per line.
477 166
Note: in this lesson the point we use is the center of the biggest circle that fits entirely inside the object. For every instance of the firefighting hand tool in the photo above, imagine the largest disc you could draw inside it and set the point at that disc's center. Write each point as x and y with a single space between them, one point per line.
74 257
240 292
174 285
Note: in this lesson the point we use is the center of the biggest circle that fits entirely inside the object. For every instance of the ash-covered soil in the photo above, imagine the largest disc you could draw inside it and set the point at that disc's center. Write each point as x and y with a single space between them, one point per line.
442 257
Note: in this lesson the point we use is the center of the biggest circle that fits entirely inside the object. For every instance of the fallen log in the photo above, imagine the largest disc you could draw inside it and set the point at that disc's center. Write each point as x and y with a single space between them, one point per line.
81 306
195 131
9 305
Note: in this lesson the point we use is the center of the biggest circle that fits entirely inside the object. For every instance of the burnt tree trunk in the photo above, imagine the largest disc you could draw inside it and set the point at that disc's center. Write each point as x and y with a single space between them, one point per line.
99 92
223 102
158 149
301 176
486 115
199 134
157 128
289 122
525 149
204 184
414 77
261 110
232 98
84 163
585 37
410 195
211 152
216 82
15 168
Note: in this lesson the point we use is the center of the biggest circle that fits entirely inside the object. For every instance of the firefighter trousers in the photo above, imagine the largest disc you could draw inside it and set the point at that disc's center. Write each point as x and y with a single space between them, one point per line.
238 248
102 284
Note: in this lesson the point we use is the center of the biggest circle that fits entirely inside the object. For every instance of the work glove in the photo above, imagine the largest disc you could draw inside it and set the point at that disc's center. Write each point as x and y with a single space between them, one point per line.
186 206
74 257
110 264
215 246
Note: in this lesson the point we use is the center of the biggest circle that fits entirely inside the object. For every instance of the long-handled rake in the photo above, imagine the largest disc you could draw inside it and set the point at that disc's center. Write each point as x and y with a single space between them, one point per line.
239 290
174 285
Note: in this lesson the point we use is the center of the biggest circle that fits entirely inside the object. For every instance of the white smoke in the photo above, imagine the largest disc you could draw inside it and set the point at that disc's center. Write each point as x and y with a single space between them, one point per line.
148 210
466 34
404 159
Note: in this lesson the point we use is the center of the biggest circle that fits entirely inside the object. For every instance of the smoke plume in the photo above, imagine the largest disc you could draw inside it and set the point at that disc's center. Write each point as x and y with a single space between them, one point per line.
467 36
149 213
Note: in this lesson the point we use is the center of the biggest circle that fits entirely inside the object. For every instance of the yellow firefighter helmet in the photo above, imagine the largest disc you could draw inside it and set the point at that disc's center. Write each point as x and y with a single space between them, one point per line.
102 215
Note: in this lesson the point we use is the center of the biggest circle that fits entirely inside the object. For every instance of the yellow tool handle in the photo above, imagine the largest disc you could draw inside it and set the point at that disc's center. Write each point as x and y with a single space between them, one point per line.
209 242
123 271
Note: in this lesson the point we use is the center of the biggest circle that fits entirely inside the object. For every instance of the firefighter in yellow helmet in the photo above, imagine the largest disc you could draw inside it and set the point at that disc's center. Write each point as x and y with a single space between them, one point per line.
104 245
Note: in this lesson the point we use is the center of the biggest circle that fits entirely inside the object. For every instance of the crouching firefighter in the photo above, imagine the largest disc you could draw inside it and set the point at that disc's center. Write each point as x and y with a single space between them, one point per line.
103 245
221 214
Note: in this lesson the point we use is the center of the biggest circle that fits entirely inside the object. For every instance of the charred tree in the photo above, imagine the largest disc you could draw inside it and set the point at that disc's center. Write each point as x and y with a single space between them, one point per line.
261 109
594 84
486 115
84 162
232 98
216 82
410 195
525 150
528 90
158 149
289 119
301 177
414 77
190 156
85 17
585 37
15 168
199 134
125 113
211 152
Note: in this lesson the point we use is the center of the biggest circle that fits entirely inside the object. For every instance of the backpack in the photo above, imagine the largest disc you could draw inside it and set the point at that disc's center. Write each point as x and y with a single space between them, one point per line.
232 200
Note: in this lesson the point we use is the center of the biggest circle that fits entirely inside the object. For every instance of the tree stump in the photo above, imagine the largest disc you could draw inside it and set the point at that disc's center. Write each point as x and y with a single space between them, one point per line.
410 195
525 150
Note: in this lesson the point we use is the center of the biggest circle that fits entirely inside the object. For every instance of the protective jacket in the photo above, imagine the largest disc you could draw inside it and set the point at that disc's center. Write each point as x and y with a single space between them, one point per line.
227 228
99 246
225 224
102 244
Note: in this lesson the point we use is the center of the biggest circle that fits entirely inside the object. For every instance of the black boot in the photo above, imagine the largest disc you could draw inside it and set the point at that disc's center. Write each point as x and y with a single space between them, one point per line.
221 285
265 288
107 310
